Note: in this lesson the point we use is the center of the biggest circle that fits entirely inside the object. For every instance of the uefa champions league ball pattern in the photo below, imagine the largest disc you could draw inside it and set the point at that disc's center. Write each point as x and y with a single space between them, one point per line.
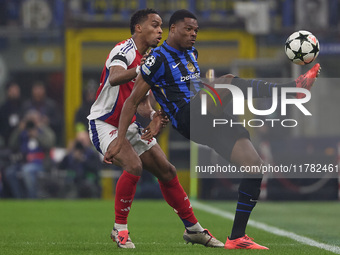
302 47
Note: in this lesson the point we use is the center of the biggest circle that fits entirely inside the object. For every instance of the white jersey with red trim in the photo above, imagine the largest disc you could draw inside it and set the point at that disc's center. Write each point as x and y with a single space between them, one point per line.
110 99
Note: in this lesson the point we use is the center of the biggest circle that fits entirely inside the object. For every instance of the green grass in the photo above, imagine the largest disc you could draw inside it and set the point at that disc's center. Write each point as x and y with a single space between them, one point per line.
83 227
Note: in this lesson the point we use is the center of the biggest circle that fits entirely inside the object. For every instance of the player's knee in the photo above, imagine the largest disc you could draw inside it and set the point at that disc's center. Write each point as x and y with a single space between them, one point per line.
256 161
228 77
172 171
169 174
135 168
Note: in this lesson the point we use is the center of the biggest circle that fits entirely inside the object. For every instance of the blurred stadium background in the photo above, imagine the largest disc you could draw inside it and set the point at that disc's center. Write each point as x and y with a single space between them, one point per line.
64 44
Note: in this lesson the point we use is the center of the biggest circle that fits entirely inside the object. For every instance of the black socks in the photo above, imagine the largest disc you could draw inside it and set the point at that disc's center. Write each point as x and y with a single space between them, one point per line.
248 193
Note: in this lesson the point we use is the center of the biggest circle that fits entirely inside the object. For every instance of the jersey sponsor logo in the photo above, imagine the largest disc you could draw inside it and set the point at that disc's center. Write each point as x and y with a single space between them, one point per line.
150 61
190 76
191 67
174 66
146 70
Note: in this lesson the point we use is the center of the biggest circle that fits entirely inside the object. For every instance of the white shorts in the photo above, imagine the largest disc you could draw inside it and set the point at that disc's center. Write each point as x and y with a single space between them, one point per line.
102 134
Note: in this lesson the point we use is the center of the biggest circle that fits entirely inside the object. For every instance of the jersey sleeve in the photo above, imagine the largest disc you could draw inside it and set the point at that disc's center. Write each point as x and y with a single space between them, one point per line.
153 69
118 57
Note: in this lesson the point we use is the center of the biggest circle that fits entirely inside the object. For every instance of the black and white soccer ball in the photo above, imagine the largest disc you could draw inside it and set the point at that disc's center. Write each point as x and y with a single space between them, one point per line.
302 47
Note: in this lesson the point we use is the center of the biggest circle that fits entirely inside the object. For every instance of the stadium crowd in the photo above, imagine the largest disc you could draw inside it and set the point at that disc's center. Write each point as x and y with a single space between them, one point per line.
29 133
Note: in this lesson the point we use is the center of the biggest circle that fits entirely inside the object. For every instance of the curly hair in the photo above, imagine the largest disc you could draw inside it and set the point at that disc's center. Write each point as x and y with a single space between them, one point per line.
139 17
180 15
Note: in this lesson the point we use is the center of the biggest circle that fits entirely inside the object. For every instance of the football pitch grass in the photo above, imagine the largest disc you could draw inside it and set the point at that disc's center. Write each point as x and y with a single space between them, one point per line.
83 227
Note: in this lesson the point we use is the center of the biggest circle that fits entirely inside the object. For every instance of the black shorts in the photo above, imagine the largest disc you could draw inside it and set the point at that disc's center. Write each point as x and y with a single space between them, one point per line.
199 128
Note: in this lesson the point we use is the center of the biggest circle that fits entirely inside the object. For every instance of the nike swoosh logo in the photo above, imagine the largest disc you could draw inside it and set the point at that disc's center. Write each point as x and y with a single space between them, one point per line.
174 66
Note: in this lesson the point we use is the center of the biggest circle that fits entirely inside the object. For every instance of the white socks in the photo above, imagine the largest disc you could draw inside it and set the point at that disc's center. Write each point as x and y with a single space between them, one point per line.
197 228
120 227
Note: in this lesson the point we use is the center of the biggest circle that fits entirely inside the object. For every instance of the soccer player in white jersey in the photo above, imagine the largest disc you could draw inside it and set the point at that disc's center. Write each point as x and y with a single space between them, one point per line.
116 83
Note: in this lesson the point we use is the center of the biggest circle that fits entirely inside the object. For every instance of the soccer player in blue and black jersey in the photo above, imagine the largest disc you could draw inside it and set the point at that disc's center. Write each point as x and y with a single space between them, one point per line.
169 72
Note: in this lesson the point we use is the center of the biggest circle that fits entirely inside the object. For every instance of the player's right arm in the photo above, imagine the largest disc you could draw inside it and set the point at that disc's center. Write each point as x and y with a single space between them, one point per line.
118 61
128 111
119 75
151 71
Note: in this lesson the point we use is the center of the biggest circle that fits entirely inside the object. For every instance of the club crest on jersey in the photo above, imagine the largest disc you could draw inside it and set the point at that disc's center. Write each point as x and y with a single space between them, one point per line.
150 61
191 67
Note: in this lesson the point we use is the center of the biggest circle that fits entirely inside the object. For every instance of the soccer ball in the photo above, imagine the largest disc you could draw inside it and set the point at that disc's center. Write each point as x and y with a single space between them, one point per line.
302 47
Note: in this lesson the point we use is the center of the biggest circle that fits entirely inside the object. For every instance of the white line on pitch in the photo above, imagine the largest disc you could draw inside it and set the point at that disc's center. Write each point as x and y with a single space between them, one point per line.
268 228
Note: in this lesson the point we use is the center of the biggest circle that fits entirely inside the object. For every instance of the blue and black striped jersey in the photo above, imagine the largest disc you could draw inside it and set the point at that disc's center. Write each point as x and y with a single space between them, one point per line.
174 77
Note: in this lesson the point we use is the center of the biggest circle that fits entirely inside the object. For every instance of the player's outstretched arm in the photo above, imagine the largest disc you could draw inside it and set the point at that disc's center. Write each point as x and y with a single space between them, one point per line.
129 109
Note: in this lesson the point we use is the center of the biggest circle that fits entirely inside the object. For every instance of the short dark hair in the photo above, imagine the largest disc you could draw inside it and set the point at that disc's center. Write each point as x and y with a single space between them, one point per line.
180 15
139 17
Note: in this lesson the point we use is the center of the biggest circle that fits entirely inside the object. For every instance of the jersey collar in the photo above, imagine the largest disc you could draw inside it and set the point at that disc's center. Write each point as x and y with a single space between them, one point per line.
134 46
166 45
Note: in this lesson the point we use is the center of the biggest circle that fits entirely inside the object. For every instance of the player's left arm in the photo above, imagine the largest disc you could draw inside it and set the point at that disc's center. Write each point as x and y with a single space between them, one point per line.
147 111
158 118
144 108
